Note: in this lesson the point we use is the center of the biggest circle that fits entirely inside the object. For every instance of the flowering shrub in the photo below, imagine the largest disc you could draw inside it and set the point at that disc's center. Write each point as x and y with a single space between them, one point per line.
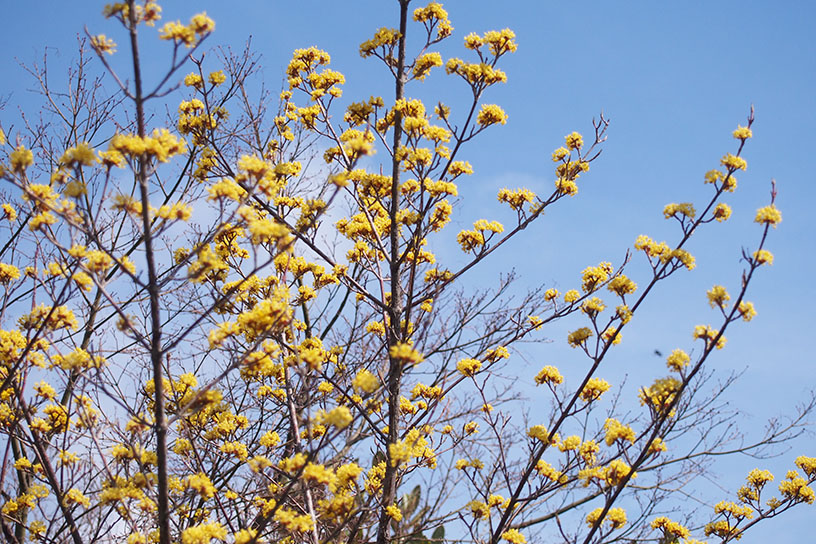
185 357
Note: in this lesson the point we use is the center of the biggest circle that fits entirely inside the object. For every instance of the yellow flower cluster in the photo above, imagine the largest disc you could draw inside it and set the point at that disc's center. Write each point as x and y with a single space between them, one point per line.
201 484
732 162
763 256
678 360
160 144
365 381
405 353
616 517
742 133
339 417
621 285
549 375
424 63
491 114
734 510
8 273
77 360
385 38
769 215
478 75
204 533
594 276
728 180
615 430
592 307
807 464
54 318
413 445
516 198
434 15
722 212
613 474
660 394
708 334
479 509
663 253
578 337
200 27
513 536
682 210
546 470
671 529
20 159
9 213
795 488
469 367
723 529
394 512
594 388
718 296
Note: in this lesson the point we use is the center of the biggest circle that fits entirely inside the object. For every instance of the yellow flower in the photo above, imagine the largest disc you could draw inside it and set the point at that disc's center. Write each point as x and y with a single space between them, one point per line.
579 337
678 360
742 133
746 310
75 496
245 536
217 78
516 198
615 430
8 273
763 256
768 215
732 162
204 533
621 285
479 509
193 80
708 334
432 11
657 446
406 353
201 484
394 513
573 141
513 536
685 209
20 159
560 154
425 62
718 296
592 307
9 213
339 417
469 367
103 44
594 276
491 114
384 37
722 212
202 24
365 381
670 528
615 516
594 388
549 375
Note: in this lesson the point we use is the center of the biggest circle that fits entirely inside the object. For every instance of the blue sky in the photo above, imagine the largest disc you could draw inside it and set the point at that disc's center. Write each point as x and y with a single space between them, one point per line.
674 78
